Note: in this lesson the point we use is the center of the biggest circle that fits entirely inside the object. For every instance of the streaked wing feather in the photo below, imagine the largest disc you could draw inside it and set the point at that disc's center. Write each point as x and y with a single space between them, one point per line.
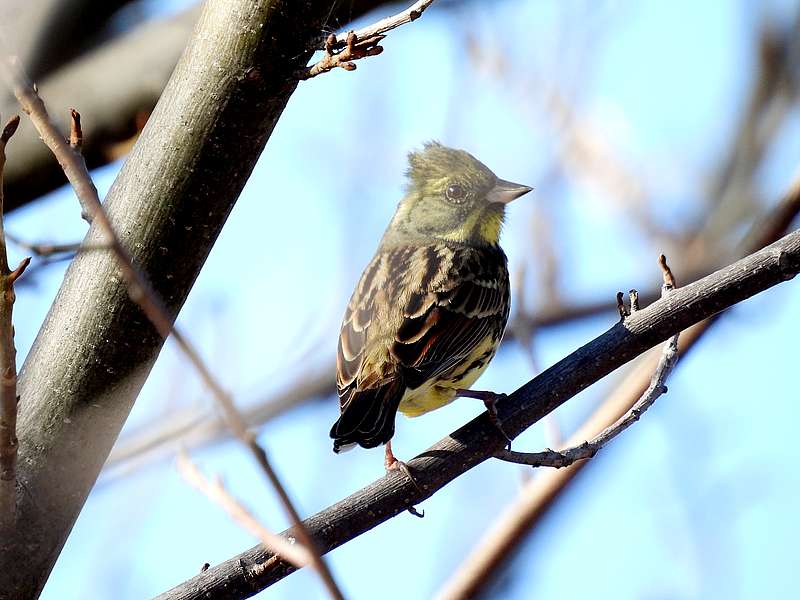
448 325
416 313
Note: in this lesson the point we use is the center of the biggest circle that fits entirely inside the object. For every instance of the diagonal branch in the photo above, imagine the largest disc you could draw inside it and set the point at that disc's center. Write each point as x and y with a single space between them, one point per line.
362 43
378 28
588 449
297 554
479 439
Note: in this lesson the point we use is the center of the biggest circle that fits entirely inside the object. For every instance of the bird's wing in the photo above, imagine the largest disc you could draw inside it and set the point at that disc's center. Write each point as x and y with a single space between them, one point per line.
444 324
360 333
369 383
419 311
416 313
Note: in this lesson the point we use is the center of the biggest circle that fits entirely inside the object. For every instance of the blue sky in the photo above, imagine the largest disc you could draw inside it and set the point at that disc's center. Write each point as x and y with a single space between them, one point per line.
695 501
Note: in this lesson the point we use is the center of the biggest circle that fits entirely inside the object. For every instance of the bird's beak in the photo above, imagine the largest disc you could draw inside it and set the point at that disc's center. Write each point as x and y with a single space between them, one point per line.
506 191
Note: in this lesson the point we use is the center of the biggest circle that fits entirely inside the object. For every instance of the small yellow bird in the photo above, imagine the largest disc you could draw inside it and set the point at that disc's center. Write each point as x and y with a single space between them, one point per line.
430 309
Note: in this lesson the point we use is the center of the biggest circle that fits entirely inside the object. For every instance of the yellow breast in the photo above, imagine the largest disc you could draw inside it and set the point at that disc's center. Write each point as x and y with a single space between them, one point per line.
441 391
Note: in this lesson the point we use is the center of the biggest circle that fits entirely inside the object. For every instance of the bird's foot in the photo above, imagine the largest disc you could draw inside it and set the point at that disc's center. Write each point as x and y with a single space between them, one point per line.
392 463
490 400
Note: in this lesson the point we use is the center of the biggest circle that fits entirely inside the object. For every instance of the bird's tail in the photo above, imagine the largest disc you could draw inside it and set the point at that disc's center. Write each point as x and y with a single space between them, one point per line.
368 417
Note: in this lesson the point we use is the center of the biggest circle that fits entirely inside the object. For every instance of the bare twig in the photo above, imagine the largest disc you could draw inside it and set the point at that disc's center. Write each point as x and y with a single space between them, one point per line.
70 160
45 250
621 309
142 293
355 49
362 43
296 554
8 360
588 449
412 13
75 131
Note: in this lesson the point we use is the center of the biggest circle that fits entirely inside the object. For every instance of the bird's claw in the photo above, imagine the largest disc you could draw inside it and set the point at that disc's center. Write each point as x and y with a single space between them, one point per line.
490 400
392 463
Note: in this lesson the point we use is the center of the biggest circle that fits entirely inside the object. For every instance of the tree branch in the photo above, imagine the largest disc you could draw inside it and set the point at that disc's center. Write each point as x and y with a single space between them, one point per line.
588 449
168 204
296 554
479 439
362 43
385 25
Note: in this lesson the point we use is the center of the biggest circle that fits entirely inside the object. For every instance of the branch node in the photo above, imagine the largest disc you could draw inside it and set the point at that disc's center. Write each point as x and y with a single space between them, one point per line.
623 312
634 298
330 44
75 131
17 273
669 278
360 44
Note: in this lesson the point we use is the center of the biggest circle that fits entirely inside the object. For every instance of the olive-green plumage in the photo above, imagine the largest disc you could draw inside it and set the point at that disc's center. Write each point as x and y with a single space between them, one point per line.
431 307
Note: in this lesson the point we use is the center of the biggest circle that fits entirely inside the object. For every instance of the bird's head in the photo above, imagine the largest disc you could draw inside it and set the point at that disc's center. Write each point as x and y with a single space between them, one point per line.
453 196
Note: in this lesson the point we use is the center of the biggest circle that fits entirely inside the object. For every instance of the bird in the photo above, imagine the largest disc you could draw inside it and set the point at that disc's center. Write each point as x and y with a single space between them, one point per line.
430 308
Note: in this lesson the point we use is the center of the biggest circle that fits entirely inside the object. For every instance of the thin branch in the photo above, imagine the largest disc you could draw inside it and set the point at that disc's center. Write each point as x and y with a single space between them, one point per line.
71 161
479 439
412 13
75 131
46 250
362 43
588 449
8 360
142 293
296 554
194 428
355 49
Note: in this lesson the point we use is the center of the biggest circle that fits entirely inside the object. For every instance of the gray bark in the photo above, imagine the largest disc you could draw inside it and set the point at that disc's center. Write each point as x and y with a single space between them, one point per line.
168 205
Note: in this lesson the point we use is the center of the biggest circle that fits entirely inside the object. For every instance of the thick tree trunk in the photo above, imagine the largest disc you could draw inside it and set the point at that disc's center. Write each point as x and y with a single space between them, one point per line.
168 205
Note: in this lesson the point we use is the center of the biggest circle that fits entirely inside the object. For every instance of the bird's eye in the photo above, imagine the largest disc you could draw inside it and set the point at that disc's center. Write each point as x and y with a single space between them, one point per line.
455 193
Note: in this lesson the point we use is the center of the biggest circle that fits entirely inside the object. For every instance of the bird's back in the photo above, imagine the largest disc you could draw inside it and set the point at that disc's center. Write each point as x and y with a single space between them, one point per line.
423 321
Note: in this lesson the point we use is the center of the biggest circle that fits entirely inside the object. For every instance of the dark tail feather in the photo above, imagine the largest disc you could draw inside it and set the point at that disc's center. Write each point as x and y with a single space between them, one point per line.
368 417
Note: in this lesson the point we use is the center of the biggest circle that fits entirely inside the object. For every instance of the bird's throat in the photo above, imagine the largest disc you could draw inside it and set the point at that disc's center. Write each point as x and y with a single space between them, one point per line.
481 228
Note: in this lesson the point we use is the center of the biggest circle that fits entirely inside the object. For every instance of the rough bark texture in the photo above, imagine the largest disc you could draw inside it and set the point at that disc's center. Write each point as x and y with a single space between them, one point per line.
255 569
168 205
